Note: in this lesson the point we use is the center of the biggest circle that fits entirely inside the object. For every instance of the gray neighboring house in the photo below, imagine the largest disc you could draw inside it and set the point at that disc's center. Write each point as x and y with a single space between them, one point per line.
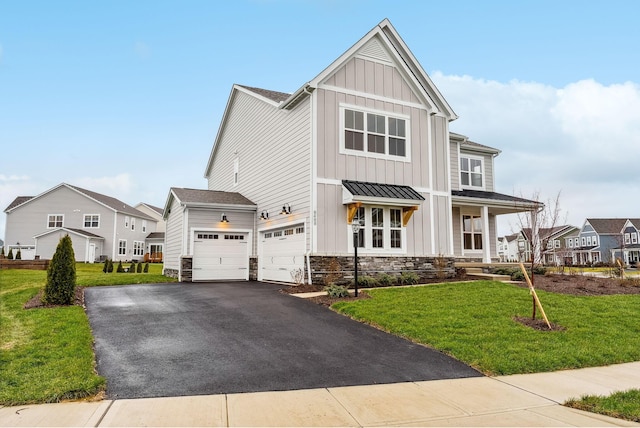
155 240
600 238
366 141
100 226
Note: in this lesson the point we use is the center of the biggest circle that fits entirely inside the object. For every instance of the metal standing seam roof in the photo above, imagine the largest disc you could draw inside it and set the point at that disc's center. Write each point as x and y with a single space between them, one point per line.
377 190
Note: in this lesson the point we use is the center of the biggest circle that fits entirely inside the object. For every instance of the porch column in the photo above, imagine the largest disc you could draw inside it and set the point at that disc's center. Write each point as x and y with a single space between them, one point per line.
486 238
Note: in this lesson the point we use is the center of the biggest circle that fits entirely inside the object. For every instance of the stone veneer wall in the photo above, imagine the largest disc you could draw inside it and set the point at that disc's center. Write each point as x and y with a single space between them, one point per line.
253 268
187 271
171 273
424 267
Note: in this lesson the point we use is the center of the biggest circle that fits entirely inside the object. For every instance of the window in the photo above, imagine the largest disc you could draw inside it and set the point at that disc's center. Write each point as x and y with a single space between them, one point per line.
627 238
396 228
126 222
277 233
380 229
374 133
300 229
588 240
472 231
577 242
377 227
144 226
133 223
207 236
234 237
556 243
55 220
91 220
288 232
594 240
570 242
122 247
634 238
584 241
268 235
138 248
236 169
471 172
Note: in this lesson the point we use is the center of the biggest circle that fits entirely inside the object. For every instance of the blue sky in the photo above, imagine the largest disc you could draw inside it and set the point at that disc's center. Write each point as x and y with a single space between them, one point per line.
125 98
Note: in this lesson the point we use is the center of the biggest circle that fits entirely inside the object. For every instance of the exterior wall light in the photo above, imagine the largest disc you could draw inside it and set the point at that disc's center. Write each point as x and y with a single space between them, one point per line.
224 218
264 215
286 209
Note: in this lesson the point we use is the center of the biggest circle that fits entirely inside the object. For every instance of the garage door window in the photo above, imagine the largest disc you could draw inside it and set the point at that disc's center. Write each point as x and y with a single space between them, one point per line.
207 236
236 237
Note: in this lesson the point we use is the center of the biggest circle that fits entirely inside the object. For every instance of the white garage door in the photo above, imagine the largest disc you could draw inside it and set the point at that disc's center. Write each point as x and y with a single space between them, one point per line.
282 252
219 256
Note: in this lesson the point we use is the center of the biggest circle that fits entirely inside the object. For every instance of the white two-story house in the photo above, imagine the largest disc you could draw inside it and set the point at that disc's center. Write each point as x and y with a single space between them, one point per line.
99 226
364 142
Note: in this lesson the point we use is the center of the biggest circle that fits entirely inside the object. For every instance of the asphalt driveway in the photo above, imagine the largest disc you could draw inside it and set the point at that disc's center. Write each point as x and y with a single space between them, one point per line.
210 338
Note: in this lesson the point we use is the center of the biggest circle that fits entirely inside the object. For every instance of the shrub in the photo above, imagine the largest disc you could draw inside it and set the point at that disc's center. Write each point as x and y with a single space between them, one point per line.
18 255
146 268
139 268
61 275
10 255
517 276
504 271
105 268
386 280
132 268
336 290
539 270
334 272
120 269
367 281
2 251
110 267
409 278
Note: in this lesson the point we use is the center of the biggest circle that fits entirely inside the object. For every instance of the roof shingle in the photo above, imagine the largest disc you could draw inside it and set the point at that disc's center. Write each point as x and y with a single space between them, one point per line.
210 196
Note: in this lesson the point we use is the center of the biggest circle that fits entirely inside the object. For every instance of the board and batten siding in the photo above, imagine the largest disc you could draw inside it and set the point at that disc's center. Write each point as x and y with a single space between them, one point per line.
273 149
454 165
173 236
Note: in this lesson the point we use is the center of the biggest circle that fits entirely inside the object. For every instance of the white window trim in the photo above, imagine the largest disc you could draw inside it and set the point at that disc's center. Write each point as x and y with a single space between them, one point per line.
144 226
126 221
133 223
236 172
368 244
475 251
627 238
140 247
482 167
84 218
125 247
634 238
54 215
365 153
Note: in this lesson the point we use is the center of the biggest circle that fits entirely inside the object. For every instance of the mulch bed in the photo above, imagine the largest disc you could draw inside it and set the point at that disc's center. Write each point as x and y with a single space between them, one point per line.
36 301
582 285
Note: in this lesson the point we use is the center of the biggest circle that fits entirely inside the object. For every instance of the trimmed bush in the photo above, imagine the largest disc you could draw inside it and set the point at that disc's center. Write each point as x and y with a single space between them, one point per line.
132 268
367 281
10 255
110 268
105 268
409 278
18 255
139 268
2 252
146 268
386 280
61 275
120 269
336 291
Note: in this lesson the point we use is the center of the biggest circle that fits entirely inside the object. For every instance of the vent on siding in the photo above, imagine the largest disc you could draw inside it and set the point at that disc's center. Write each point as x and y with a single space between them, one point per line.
375 50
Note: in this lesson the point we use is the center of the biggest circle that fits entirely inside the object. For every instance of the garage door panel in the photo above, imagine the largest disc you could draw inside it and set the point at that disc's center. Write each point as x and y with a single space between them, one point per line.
220 257
282 253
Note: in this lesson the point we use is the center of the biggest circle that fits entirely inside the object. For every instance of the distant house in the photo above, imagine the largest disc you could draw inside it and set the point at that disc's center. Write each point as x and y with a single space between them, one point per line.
555 250
100 226
603 239
511 248
155 240
629 251
359 156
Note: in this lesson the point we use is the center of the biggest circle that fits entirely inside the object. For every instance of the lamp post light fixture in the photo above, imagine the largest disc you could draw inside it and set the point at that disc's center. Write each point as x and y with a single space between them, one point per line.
355 225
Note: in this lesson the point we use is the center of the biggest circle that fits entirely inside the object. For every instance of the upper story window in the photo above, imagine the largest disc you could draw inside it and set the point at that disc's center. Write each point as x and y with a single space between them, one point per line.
91 221
594 240
375 134
55 220
471 171
144 226
570 242
126 222
634 238
627 238
236 169
133 223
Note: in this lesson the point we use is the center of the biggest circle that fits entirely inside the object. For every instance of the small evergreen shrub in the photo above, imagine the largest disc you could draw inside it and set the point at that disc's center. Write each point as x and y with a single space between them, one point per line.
386 280
2 252
61 275
18 255
146 268
120 269
105 268
139 268
10 255
367 281
336 291
110 267
132 268
517 276
409 278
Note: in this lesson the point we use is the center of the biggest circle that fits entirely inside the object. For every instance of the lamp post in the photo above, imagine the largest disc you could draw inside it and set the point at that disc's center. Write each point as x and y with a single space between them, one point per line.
356 228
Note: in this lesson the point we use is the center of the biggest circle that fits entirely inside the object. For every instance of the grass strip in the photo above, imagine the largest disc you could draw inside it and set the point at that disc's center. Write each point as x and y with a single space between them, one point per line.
621 405
474 322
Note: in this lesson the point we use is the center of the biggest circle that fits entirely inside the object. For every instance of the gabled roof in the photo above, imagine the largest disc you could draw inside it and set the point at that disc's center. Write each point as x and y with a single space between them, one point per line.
152 207
549 232
208 198
75 231
275 96
377 190
465 143
108 201
607 226
512 237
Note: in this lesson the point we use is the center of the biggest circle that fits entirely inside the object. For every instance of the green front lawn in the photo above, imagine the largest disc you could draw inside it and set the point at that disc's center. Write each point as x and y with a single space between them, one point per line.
46 355
623 405
473 322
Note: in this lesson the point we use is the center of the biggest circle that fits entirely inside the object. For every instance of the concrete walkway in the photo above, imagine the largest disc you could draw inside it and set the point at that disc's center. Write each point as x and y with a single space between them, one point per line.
518 400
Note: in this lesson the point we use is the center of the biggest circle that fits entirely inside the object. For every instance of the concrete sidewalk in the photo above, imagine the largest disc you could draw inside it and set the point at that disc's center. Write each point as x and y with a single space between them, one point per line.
518 400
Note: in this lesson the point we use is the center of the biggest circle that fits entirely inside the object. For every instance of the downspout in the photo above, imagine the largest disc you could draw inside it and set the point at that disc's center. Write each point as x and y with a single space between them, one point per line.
307 254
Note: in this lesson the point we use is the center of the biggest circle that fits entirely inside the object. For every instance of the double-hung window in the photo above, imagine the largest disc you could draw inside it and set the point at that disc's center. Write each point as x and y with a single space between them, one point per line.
375 134
627 238
122 247
55 220
91 221
144 226
472 232
471 172
634 238
377 227
138 248
380 229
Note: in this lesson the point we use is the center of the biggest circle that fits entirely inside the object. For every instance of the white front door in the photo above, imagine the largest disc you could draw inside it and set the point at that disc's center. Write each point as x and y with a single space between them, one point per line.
282 253
220 256
92 253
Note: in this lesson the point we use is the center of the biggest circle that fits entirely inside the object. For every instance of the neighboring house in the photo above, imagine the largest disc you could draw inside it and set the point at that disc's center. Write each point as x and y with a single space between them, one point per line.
155 240
555 250
511 253
600 238
629 251
365 142
100 226
502 248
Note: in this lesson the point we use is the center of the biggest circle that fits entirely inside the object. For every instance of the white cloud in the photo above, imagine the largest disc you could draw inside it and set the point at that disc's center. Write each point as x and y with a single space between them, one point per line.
120 186
13 177
582 140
